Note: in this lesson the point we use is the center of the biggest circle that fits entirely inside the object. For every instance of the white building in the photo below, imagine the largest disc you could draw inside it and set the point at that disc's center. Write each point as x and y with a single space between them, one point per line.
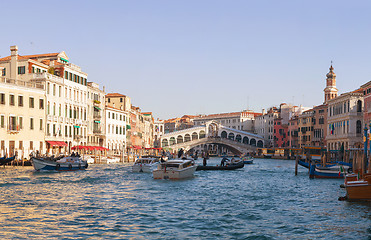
96 115
238 120
158 131
345 121
116 121
65 91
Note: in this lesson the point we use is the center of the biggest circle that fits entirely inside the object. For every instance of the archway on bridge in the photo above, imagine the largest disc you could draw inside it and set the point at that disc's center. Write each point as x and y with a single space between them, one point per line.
231 136
179 139
202 134
164 143
223 134
260 144
194 136
172 141
187 138
245 140
238 138
253 142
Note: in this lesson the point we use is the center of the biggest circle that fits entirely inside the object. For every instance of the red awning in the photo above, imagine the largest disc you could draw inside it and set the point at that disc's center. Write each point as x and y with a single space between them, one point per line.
136 147
57 143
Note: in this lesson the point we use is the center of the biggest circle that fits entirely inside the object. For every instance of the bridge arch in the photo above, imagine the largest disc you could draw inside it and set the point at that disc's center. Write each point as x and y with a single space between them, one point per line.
172 141
164 142
224 134
187 138
245 140
194 136
238 138
260 144
231 136
202 134
179 139
253 142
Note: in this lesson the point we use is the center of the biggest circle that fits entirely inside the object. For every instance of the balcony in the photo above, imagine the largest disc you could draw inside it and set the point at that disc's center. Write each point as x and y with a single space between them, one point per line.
13 129
97 131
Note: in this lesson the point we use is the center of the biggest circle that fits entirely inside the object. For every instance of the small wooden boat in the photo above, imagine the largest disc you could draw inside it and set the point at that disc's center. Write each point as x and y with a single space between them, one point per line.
358 189
248 160
227 167
331 171
5 160
70 163
175 169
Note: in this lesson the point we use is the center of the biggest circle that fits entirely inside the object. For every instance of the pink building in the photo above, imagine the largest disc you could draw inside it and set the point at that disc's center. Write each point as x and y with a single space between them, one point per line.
280 133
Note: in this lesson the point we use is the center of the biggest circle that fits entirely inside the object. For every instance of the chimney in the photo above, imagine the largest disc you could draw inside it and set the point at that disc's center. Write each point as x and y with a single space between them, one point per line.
263 111
104 89
13 62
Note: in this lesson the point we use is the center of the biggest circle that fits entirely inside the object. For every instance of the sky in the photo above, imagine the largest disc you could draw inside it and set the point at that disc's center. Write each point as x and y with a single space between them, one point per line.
177 57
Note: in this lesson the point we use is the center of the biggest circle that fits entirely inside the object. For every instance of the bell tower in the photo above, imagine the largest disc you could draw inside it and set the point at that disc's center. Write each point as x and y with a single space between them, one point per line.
330 91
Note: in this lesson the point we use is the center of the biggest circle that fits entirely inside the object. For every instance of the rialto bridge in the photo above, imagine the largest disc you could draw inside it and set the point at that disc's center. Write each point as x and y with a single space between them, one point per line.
210 136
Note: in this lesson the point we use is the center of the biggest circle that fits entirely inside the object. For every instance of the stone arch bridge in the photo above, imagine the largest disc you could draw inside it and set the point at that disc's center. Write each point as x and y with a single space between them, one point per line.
212 133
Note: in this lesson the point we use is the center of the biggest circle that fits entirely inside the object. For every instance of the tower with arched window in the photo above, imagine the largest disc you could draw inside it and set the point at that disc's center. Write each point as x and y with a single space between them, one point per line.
330 91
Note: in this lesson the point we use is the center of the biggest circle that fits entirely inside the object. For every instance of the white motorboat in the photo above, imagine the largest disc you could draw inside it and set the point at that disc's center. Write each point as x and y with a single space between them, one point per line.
69 163
146 164
175 169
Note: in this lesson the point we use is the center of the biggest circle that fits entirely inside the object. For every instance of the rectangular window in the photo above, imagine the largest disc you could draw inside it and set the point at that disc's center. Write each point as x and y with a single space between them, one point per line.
2 98
41 124
31 124
31 145
20 101
53 89
2 121
11 100
20 119
33 69
20 144
60 91
21 70
4 72
41 104
66 75
32 102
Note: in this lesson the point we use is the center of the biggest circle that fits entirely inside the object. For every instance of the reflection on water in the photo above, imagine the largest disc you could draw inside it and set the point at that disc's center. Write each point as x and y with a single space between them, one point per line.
264 200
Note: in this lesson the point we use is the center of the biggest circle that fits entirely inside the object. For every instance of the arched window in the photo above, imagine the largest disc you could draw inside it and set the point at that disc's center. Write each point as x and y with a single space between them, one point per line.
187 138
359 106
231 136
224 134
358 127
202 134
238 138
164 143
245 140
260 143
253 142
172 141
179 139
194 136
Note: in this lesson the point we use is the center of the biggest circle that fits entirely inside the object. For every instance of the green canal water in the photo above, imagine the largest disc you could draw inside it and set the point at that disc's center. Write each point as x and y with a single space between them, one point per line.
261 201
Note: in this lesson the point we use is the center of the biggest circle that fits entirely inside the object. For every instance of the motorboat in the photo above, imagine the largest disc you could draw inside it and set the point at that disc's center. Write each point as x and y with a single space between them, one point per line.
358 189
5 160
175 169
69 163
146 164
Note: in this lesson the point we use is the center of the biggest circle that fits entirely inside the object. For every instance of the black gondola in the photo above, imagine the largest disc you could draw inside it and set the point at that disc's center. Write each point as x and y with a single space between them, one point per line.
227 167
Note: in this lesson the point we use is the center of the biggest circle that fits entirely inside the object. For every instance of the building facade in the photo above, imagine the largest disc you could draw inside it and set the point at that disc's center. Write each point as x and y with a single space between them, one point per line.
345 121
116 122
22 117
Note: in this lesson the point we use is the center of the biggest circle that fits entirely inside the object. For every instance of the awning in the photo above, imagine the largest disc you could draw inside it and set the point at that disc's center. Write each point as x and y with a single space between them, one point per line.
76 126
136 147
128 127
64 59
98 108
96 121
57 143
99 148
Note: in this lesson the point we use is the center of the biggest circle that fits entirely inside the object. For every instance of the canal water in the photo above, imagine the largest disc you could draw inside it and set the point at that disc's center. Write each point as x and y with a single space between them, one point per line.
264 200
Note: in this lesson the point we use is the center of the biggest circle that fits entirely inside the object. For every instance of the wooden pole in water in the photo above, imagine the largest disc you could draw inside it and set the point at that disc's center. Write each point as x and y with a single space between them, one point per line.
296 164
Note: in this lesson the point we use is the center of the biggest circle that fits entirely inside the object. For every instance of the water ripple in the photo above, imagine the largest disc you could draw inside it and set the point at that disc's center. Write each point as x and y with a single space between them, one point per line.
261 201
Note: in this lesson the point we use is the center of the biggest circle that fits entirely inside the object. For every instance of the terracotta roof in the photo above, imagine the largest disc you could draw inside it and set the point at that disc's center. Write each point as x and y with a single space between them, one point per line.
31 56
115 95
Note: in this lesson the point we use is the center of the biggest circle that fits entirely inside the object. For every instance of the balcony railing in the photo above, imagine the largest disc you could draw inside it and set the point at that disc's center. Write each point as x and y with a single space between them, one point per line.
97 116
13 129
98 131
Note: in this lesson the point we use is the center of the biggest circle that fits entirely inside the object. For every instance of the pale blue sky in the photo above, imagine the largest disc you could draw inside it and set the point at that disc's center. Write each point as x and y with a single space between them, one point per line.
204 56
